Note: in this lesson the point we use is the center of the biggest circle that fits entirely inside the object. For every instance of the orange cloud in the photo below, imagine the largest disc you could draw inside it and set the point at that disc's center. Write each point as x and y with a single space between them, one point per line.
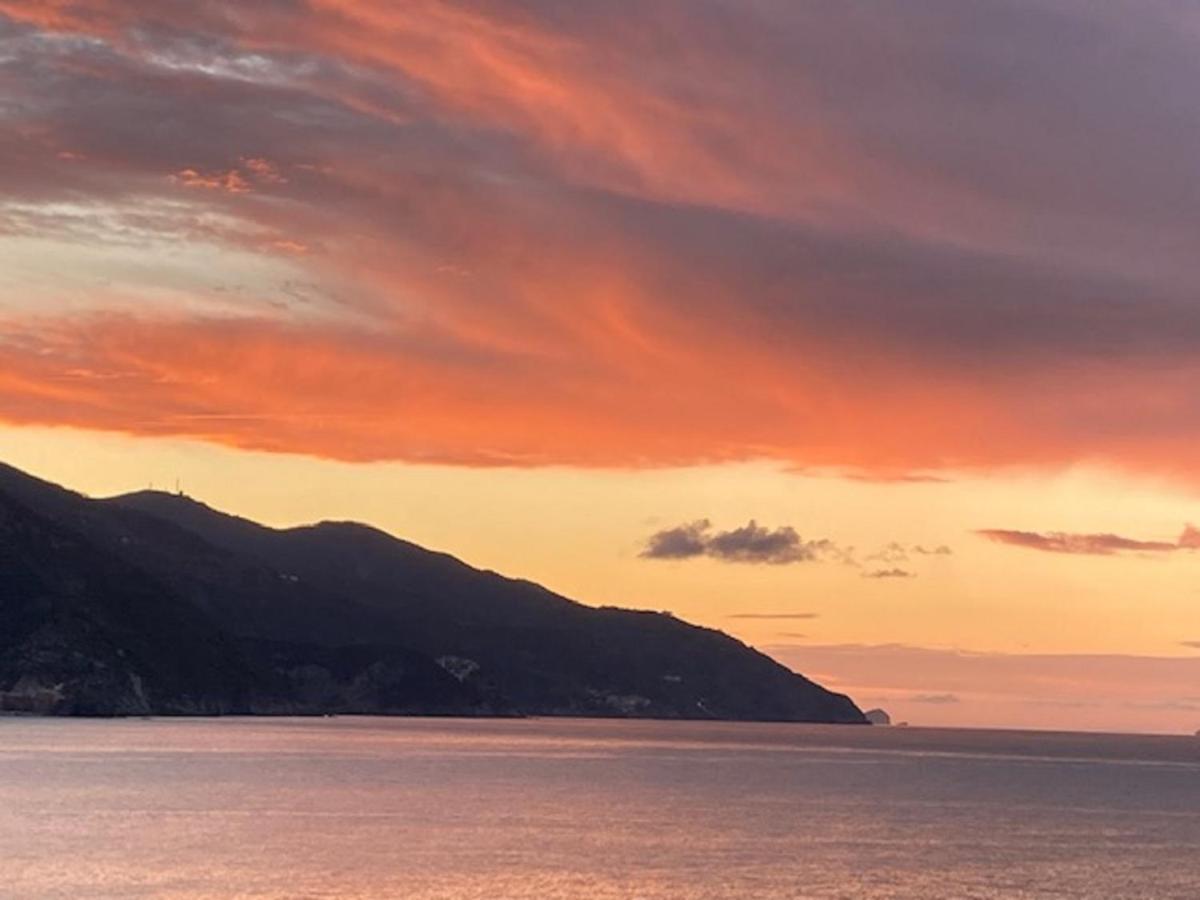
241 179
642 235
363 395
231 181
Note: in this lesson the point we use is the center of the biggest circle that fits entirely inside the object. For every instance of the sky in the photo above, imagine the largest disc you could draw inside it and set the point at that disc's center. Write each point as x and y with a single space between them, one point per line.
866 333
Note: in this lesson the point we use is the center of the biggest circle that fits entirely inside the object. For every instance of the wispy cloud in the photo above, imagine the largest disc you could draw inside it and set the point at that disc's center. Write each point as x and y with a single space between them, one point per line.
774 615
1100 544
895 552
884 477
889 573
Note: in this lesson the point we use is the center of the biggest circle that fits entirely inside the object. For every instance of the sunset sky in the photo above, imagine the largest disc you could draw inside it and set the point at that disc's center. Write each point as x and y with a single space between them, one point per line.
866 332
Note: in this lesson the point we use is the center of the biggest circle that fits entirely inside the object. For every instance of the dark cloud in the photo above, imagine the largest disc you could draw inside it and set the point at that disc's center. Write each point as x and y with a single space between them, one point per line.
683 542
1195 645
754 543
1102 544
751 543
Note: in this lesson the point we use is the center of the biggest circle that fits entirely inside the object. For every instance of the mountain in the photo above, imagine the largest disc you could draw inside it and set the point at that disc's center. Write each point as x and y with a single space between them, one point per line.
155 603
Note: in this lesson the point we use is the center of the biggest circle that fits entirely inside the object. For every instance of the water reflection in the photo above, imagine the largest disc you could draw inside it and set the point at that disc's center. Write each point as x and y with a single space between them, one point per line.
414 808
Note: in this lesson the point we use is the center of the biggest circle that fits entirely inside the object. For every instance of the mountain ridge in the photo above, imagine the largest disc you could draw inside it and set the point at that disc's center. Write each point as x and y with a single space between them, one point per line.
337 617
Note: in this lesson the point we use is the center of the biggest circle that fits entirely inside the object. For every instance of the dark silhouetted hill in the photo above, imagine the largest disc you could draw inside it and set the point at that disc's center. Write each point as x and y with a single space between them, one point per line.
153 602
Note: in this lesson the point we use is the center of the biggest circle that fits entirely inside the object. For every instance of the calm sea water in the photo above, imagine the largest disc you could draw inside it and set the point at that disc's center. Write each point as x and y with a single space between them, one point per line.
421 808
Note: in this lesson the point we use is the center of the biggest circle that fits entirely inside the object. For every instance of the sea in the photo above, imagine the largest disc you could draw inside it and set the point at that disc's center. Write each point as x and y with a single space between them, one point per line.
361 807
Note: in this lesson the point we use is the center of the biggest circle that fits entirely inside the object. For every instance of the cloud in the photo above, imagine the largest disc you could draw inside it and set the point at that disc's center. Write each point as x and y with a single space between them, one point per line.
232 181
683 542
892 552
248 175
754 543
1089 544
800 279
937 699
884 477
896 552
772 615
1195 645
751 543
889 573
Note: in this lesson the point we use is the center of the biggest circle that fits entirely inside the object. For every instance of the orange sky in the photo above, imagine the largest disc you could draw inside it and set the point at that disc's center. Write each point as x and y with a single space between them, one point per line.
535 282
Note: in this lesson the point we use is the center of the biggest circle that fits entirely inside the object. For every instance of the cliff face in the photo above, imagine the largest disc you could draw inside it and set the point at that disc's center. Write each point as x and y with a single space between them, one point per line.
153 603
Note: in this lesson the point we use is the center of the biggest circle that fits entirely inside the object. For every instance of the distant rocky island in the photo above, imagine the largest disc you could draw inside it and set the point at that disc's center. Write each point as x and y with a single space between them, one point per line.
153 603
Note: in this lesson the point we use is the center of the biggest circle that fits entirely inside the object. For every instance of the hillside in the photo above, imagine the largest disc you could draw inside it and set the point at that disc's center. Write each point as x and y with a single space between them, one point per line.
153 602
